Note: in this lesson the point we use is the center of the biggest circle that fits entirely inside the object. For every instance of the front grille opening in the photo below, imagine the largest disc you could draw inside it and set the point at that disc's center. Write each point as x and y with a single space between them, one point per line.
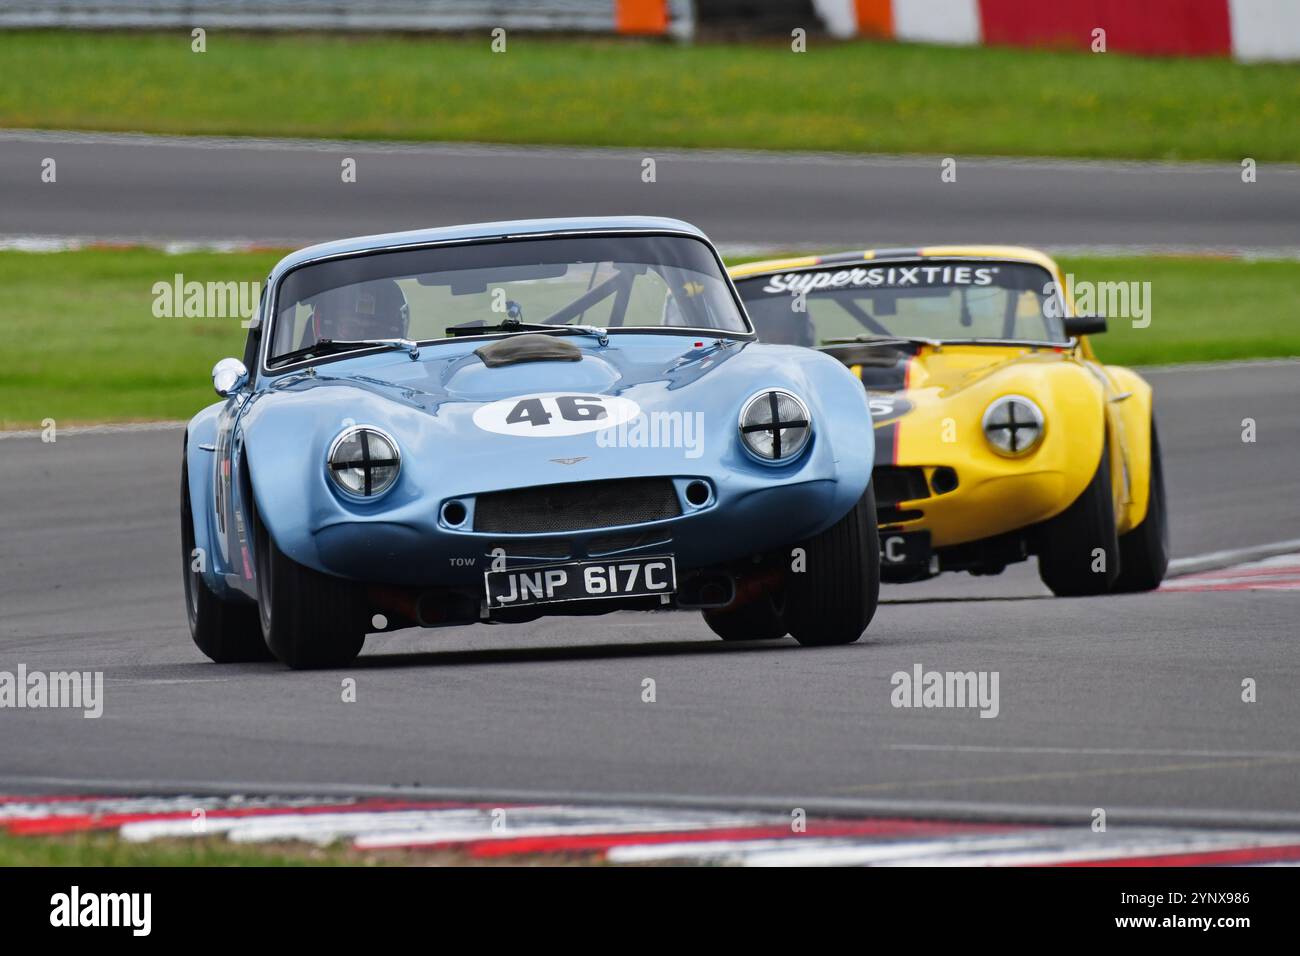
943 480
577 506
894 484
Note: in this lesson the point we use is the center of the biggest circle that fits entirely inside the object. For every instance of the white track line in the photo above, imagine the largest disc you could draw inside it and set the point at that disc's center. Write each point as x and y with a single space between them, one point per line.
407 828
1101 751
1216 560
1018 848
954 810
172 247
109 429
40 808
729 156
1216 366
27 242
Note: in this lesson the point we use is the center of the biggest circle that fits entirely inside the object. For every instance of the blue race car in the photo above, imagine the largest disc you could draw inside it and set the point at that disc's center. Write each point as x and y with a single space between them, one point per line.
498 421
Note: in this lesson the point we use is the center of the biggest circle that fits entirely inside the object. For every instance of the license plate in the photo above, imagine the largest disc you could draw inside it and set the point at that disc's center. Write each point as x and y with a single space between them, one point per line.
581 581
906 547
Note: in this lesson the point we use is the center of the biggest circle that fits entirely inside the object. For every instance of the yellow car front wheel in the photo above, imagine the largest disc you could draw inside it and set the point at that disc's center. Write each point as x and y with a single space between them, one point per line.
1078 550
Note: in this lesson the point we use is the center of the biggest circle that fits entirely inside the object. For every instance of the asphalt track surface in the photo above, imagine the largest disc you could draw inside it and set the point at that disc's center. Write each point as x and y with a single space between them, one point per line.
1129 703
286 192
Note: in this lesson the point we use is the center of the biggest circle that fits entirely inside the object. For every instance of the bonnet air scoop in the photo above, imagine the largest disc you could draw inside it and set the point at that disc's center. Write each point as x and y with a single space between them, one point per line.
528 348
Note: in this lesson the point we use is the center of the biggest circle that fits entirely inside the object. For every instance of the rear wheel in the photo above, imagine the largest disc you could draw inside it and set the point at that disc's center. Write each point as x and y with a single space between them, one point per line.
1078 551
759 620
225 631
309 620
833 598
1144 551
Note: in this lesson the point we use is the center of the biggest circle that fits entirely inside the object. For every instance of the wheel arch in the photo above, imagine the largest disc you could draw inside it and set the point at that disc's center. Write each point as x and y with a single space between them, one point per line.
199 469
1134 416
1077 426
279 474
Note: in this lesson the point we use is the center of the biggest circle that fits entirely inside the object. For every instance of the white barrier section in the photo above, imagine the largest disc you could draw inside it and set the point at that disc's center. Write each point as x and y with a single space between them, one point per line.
839 16
1265 29
954 22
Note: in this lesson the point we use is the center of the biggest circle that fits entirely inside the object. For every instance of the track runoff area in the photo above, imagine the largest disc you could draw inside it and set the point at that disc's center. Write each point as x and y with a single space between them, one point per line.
1038 881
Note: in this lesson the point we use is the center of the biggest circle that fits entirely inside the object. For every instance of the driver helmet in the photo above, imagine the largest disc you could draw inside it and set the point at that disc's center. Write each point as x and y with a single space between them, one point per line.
364 310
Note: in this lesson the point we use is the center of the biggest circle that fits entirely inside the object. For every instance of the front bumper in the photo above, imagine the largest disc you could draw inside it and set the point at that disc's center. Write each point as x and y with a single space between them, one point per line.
985 503
744 516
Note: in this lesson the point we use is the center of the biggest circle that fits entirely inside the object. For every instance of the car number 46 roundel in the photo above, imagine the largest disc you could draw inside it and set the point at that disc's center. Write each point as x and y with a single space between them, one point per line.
554 414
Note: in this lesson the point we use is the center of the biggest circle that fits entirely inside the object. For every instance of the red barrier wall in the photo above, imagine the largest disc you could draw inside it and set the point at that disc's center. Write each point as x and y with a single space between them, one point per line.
1196 27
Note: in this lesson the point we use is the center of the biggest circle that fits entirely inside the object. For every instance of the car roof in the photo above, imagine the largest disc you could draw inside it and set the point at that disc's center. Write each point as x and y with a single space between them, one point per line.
1001 253
482 230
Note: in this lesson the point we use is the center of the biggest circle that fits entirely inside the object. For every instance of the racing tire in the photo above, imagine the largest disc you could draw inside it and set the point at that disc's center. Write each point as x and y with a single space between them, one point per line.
759 620
1144 551
833 599
309 620
227 632
1068 543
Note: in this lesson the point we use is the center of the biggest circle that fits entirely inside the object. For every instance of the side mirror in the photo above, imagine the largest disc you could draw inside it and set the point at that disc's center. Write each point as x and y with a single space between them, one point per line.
1076 325
228 376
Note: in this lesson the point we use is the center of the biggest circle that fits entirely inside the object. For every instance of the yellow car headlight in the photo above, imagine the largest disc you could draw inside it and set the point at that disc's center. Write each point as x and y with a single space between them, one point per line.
1013 425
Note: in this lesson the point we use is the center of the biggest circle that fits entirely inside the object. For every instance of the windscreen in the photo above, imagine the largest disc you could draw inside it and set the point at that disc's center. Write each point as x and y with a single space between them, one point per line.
616 282
934 299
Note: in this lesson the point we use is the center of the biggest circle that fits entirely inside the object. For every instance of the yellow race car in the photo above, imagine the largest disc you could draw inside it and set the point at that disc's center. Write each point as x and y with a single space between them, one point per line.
998 433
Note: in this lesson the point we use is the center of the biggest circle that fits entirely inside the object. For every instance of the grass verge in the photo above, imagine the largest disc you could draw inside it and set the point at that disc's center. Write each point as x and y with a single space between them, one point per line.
859 96
1202 310
81 343
107 849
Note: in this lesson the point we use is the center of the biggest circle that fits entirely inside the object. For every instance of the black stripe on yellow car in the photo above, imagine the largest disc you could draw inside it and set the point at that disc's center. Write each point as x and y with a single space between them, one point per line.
886 387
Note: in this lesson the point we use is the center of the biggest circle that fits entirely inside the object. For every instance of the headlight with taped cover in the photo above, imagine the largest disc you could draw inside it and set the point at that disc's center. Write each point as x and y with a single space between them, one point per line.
364 462
1013 425
775 426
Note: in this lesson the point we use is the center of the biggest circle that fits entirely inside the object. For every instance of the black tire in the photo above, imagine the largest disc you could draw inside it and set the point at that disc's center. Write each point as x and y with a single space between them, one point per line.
759 620
834 598
1068 543
1144 551
227 632
309 620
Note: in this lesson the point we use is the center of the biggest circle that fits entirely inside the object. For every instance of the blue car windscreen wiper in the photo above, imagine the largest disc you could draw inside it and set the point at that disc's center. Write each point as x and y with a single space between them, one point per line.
332 346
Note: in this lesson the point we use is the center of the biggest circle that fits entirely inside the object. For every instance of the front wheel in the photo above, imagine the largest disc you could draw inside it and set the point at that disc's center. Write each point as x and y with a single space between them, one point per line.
225 631
1144 551
309 620
833 588
1078 552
